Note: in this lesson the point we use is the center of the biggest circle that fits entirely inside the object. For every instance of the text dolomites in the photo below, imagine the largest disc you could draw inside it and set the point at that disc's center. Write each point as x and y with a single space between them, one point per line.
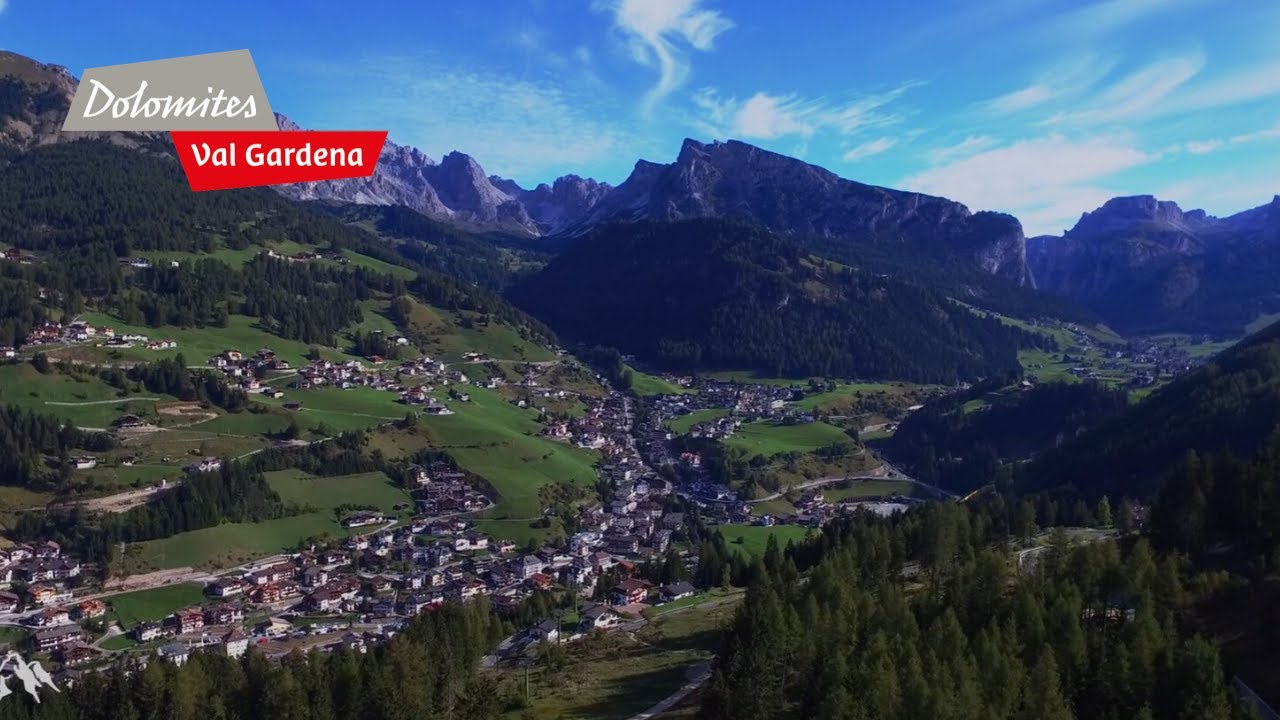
256 156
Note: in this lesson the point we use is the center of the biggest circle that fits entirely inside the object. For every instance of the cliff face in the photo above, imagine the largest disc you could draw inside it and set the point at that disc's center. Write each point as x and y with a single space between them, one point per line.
1144 263
736 180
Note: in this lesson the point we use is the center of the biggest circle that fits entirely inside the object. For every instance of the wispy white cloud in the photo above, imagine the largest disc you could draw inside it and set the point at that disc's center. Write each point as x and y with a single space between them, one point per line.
1203 147
1046 182
1106 16
870 148
1065 80
527 130
1139 94
969 146
1241 85
661 32
766 117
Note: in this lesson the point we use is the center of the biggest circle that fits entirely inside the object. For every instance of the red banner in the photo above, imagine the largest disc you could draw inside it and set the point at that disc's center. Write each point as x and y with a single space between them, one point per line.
221 160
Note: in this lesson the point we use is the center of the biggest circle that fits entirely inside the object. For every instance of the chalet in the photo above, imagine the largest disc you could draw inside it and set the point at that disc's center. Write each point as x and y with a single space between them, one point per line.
548 630
264 594
147 631
47 640
598 617
188 621
530 565
541 581
20 552
49 617
8 602
676 591
379 584
75 654
176 653
225 587
630 592
84 462
363 519
624 544
224 614
91 609
235 643
7 352
334 557
42 594
315 576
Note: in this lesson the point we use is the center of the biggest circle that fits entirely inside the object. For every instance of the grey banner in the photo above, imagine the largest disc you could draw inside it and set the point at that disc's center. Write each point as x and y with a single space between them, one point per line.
218 91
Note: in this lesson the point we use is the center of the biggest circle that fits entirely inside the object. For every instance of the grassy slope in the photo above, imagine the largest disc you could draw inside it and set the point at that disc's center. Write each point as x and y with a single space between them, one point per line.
229 544
753 539
372 488
681 424
765 438
21 385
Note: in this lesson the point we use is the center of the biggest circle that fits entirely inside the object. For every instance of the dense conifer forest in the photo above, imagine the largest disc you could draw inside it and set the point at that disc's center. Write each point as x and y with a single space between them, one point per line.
1099 631
960 448
711 294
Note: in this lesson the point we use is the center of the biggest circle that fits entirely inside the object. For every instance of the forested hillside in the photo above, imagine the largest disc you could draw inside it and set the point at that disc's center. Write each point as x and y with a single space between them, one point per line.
90 203
1232 404
711 294
962 448
1092 633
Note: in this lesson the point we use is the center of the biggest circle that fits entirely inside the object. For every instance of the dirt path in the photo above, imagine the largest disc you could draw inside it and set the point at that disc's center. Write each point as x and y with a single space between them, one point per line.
101 402
701 673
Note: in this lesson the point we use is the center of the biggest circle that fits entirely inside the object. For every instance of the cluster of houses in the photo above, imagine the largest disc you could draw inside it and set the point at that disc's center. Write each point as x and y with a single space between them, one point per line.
79 331
306 256
46 572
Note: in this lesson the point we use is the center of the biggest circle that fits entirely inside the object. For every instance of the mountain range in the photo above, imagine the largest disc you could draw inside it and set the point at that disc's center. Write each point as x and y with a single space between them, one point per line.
1146 265
1140 264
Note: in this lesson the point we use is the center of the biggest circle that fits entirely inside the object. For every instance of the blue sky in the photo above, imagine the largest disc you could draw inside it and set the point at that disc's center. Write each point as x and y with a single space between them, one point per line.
1041 108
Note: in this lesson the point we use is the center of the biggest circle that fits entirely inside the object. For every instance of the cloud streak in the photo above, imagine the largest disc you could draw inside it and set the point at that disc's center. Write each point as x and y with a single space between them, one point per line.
869 149
768 117
661 32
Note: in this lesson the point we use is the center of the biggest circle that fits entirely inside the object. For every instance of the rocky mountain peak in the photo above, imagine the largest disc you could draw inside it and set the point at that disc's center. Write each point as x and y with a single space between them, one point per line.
1125 212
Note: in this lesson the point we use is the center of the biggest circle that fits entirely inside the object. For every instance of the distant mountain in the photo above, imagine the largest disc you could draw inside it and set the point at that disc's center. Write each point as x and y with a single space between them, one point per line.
710 293
1146 265
1231 403
456 189
788 196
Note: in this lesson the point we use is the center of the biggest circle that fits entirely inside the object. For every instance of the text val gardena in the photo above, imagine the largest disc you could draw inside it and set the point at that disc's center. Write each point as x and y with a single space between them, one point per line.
255 155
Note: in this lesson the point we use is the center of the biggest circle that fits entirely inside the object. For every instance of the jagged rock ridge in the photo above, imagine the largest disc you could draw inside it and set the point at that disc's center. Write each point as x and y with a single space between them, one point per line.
1145 264
786 195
